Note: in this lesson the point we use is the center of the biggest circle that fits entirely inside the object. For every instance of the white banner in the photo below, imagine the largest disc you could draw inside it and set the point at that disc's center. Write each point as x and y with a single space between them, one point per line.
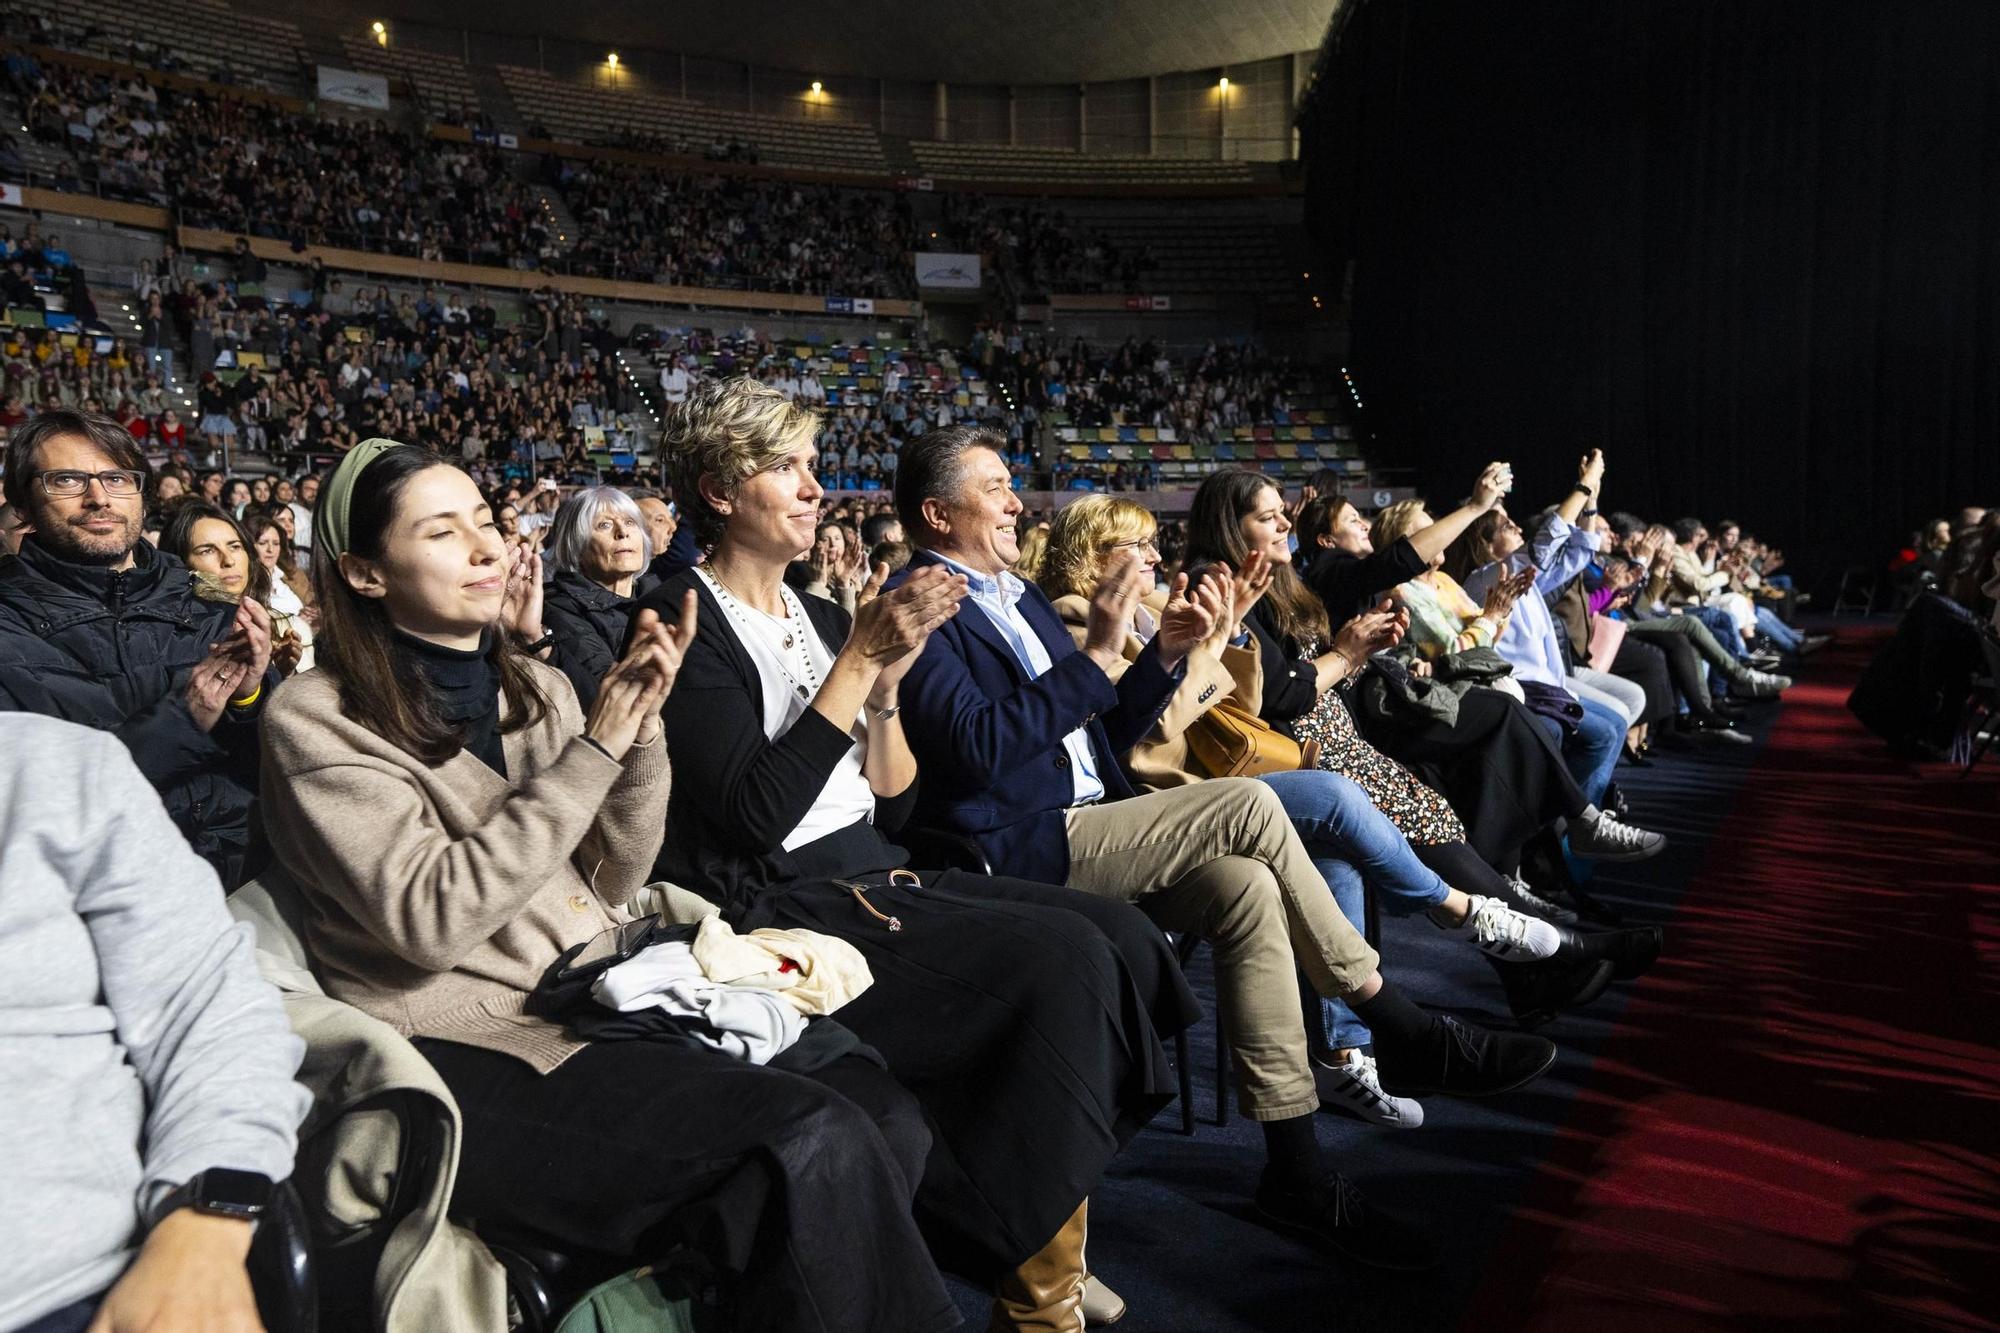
353 88
957 271
10 196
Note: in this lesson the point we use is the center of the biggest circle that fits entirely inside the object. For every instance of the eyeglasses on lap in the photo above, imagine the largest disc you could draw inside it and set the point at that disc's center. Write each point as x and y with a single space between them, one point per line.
65 485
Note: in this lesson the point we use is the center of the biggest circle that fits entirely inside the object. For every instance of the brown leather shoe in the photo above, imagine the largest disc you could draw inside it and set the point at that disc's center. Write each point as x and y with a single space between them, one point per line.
1045 1294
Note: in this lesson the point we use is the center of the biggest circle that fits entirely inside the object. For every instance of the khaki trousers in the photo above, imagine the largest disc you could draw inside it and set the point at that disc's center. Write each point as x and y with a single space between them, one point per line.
1220 859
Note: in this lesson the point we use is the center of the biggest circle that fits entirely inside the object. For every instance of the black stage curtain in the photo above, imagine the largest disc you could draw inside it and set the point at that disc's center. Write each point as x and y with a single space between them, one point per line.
1751 249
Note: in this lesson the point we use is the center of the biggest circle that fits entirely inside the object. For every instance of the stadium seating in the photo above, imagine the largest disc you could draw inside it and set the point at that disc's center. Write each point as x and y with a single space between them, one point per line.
441 83
207 39
1003 162
576 112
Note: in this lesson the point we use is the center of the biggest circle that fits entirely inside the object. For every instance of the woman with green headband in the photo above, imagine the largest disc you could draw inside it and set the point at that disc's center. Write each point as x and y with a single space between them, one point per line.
457 823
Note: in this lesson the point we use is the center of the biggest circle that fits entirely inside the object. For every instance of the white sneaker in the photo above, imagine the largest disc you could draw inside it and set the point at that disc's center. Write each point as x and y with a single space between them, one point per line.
1498 930
1539 905
1352 1087
1765 684
1601 837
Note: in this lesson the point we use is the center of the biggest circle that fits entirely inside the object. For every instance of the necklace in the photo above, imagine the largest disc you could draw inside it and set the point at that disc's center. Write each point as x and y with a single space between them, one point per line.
805 681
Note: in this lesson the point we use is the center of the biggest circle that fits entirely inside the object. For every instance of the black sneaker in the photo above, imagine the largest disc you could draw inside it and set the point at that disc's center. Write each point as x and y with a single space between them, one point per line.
1537 991
1462 1060
1631 952
1341 1219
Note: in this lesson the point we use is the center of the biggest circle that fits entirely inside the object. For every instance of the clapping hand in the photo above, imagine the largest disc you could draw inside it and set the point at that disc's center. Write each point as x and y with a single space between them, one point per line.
234 667
895 624
627 708
1493 485
1590 469
1372 632
521 606
1507 590
1112 604
1186 621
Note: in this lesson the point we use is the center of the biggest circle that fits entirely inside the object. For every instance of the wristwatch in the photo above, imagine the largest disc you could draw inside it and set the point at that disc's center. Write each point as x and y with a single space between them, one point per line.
219 1191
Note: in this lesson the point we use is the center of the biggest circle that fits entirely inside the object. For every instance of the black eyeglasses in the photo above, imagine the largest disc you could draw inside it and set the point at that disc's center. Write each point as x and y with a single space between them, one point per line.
66 485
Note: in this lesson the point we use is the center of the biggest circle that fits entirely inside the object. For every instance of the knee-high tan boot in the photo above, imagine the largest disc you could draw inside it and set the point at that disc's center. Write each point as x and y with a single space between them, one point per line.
1045 1294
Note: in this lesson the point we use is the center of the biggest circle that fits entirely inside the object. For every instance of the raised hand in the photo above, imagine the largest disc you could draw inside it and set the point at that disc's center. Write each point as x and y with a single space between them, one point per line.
1590 469
1185 622
1493 484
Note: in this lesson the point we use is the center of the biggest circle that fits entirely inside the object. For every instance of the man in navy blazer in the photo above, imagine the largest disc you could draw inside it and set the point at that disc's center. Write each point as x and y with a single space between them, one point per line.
1017 733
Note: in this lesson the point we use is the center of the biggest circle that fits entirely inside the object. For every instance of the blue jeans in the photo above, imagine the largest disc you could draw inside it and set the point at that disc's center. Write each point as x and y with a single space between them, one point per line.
1593 752
1353 843
1723 626
1781 634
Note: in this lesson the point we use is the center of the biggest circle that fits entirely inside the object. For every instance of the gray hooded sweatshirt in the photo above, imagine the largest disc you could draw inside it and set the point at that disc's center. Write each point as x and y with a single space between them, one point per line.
138 1045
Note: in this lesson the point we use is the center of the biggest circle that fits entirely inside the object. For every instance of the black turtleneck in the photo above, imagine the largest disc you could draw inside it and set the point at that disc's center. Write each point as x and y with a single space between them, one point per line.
468 692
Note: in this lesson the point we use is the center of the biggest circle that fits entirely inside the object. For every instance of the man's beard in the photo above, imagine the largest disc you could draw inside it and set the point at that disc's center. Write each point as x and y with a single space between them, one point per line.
70 542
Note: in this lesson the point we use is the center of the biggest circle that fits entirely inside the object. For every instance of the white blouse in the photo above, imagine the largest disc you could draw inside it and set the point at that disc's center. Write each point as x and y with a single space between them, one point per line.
792 663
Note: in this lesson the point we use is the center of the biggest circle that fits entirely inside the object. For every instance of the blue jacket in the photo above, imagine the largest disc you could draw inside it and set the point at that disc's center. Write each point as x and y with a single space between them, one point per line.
989 741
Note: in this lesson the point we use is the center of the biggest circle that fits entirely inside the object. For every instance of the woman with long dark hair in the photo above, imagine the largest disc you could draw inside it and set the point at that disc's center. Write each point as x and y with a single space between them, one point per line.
458 825
1520 783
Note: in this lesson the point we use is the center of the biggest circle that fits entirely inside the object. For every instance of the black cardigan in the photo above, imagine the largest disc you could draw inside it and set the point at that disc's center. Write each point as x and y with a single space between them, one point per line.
1291 683
1349 584
735 794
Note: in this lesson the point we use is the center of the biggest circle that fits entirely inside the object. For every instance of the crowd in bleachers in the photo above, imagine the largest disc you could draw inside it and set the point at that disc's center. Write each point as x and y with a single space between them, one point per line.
648 224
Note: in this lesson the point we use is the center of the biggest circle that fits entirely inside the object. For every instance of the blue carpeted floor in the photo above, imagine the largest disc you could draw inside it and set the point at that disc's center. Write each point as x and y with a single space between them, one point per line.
1172 1228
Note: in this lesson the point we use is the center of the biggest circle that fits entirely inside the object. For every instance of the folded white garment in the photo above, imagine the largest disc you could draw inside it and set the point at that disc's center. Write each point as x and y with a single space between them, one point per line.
747 1022
825 971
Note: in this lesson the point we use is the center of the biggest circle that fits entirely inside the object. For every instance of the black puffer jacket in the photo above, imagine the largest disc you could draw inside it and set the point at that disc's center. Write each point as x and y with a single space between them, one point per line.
113 650
589 622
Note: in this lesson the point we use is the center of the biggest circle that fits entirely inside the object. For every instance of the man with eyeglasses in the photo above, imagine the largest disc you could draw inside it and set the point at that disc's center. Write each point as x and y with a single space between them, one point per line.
99 627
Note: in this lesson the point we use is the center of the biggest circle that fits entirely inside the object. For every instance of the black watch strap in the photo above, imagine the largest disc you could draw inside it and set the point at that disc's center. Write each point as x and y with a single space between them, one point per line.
219 1192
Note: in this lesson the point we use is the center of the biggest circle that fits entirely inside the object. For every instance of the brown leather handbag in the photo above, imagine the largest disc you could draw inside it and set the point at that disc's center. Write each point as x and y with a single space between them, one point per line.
1228 741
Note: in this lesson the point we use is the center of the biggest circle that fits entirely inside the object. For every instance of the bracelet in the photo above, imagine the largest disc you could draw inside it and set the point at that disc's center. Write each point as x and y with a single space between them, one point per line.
546 641
884 714
250 698
1585 489
1588 511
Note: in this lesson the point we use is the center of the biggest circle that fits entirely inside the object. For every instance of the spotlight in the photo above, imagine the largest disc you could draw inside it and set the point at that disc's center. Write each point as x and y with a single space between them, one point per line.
612 60
1224 85
816 88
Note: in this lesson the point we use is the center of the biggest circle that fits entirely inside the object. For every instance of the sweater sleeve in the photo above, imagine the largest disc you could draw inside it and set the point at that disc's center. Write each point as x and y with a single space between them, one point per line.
616 856
205 1033
428 897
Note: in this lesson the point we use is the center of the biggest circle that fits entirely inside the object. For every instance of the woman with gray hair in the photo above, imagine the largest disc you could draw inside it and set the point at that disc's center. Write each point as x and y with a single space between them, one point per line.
597 549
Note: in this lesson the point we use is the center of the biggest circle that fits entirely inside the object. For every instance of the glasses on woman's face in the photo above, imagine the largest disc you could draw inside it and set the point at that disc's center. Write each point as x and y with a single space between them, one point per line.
1141 544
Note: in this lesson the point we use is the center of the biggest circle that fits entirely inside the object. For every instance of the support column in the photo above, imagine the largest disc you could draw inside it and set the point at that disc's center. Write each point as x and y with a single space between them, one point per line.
1013 118
940 113
1083 118
1152 115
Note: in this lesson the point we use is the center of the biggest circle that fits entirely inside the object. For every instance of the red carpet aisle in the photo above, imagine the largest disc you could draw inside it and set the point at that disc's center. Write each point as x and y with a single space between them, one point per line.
1796 1123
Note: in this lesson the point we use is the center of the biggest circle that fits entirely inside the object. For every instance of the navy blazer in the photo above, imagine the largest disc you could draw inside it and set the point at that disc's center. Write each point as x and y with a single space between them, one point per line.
989 741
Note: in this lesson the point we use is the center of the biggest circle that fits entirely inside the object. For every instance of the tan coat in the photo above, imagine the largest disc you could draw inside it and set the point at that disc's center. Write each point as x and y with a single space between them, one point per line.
1161 760
436 897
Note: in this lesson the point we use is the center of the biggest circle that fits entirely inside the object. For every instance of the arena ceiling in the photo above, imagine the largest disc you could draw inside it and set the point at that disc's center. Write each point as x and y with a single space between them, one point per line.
965 41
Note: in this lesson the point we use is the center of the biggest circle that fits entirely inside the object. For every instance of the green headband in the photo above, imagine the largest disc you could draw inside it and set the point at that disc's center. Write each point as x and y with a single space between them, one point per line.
330 514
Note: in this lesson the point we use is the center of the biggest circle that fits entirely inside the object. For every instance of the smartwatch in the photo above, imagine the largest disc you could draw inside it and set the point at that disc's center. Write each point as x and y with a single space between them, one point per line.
220 1192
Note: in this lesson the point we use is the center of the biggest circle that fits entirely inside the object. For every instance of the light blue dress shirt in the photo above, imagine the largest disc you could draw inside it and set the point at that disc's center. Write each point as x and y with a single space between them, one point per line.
1000 599
1560 550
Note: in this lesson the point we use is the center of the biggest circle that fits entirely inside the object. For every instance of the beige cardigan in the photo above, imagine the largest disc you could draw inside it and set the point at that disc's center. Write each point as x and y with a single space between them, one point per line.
437 896
1161 760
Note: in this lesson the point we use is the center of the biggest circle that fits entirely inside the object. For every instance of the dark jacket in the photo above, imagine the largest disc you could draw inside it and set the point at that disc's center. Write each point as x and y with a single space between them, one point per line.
1350 584
113 650
1291 682
990 740
736 795
589 622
